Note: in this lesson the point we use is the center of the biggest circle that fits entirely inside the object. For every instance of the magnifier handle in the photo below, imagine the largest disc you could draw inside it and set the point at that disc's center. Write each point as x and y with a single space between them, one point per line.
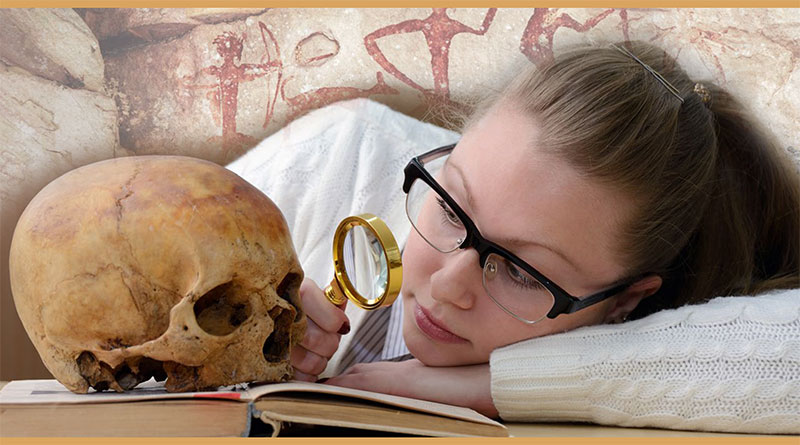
334 293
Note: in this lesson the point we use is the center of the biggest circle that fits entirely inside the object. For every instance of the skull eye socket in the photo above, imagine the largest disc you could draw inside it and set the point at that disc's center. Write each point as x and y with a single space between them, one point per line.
289 290
222 309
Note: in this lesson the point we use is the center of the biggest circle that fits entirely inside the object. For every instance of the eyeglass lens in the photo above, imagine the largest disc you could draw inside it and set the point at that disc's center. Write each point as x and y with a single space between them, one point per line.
511 287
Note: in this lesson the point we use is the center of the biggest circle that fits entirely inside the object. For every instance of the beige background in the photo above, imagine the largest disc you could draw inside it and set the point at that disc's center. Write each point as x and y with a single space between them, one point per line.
82 85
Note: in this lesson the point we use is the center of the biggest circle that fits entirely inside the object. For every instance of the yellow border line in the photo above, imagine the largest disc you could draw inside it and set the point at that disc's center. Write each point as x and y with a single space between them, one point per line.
403 4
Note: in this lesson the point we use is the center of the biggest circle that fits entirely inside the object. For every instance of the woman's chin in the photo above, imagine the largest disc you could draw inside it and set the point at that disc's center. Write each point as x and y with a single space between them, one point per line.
433 354
426 352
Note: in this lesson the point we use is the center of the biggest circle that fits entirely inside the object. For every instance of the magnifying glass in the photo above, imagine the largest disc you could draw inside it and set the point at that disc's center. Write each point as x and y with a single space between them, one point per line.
366 262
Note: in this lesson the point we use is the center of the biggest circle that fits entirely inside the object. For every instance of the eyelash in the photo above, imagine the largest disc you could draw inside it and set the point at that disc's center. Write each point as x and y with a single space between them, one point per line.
530 283
447 214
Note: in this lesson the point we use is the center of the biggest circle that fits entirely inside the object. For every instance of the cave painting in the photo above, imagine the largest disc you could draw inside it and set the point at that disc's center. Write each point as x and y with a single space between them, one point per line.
224 92
320 97
537 38
315 50
439 30
319 48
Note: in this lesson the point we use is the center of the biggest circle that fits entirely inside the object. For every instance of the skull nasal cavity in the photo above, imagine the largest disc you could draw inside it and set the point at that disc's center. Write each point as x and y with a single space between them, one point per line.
276 348
222 309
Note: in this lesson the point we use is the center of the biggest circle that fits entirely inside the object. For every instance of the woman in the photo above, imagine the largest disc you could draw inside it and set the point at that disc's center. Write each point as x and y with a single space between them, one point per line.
606 186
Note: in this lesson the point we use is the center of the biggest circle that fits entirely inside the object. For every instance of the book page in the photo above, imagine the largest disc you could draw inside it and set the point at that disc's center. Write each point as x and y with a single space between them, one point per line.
456 412
338 412
51 391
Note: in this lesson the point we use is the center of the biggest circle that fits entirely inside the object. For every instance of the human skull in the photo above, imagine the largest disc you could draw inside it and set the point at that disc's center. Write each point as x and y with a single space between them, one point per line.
157 266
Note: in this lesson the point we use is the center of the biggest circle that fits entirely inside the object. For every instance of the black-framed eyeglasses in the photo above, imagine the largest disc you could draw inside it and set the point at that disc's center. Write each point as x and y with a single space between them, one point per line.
514 285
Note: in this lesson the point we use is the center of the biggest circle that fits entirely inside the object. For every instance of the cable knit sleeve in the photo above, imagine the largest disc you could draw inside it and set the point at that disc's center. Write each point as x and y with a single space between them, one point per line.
732 365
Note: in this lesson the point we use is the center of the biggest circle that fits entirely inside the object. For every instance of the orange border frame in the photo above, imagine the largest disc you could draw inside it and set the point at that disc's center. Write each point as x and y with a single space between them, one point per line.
755 439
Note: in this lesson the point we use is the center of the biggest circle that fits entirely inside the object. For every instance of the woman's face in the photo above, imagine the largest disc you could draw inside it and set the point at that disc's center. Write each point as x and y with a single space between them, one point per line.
534 205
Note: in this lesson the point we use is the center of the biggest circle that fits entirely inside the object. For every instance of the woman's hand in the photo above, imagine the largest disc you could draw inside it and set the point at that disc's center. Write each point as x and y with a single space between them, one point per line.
326 324
468 386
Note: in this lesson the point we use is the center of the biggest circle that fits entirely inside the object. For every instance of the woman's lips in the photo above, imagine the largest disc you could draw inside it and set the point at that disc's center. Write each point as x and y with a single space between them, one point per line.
433 329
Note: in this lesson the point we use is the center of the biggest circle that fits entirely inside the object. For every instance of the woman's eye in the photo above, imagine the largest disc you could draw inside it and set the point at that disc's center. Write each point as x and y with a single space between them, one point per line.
447 212
521 278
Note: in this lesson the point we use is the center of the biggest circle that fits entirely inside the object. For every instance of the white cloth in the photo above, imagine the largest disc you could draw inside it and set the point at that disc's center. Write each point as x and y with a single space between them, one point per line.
395 347
380 336
340 160
732 364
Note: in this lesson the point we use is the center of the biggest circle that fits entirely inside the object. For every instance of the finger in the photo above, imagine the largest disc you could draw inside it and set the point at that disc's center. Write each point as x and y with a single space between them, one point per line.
368 381
306 361
319 341
372 367
356 373
328 316
302 376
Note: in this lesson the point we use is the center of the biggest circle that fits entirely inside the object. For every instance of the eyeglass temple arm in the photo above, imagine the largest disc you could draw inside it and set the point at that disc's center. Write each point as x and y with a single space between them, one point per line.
576 304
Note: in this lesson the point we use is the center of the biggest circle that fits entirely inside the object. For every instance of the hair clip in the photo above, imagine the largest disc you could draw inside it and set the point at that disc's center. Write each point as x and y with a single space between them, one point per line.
703 92
655 73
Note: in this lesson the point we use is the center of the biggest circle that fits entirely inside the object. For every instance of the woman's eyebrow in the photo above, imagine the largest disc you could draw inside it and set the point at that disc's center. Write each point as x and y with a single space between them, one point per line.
523 243
510 241
470 200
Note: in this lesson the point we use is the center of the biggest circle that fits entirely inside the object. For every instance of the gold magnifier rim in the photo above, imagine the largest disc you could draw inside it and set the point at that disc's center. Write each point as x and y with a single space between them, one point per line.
391 252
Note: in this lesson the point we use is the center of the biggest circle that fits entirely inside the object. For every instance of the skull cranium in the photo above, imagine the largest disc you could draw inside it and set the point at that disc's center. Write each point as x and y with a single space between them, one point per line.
157 266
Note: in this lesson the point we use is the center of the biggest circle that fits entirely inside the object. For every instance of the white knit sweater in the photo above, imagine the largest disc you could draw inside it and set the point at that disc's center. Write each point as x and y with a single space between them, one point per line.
732 364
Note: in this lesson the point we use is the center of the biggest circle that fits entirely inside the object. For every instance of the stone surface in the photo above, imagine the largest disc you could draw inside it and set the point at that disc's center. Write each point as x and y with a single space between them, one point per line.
121 28
46 130
52 43
759 65
218 15
117 25
220 88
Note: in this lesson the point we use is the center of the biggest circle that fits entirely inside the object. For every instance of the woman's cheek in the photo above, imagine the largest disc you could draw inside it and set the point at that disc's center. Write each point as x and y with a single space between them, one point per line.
415 264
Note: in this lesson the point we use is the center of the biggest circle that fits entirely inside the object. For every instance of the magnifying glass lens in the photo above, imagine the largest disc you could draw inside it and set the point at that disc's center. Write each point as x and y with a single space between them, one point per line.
365 262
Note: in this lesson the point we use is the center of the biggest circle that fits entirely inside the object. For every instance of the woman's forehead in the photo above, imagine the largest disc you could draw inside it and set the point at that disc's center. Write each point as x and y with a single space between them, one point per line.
521 192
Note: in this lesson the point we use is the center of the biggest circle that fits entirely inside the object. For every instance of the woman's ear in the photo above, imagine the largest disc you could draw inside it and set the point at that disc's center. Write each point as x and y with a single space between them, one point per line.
627 300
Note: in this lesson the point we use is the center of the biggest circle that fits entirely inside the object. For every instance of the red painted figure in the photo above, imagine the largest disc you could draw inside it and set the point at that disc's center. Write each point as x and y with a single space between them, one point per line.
438 30
224 92
320 97
537 39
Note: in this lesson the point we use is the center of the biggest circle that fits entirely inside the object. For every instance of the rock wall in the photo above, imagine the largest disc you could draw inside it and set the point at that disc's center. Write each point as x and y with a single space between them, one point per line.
216 90
56 116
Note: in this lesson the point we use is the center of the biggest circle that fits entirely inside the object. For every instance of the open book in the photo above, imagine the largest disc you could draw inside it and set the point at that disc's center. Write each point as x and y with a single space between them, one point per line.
47 408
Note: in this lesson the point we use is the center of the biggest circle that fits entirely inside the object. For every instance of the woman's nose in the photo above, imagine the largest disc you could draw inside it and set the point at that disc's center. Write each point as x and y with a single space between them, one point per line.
458 281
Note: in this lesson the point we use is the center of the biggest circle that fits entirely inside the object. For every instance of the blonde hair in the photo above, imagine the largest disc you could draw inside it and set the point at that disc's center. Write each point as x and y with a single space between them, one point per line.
718 204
